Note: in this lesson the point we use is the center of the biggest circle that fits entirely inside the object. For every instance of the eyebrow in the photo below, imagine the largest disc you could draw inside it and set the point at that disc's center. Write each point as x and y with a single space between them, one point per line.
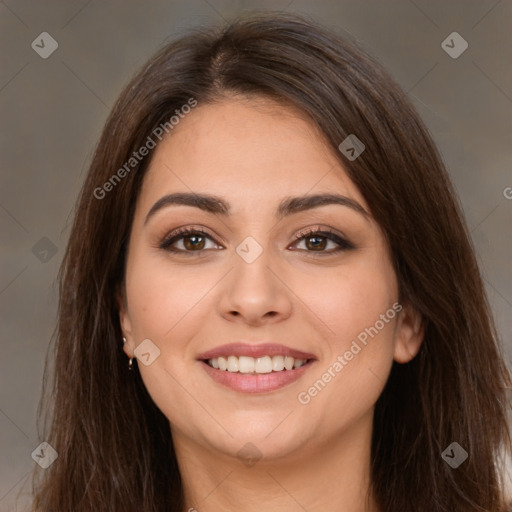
288 206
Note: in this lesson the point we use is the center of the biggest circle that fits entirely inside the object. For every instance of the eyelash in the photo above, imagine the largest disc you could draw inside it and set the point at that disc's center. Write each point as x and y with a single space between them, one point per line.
343 244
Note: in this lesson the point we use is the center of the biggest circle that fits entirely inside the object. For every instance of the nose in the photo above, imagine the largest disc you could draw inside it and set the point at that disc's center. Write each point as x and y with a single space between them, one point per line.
254 293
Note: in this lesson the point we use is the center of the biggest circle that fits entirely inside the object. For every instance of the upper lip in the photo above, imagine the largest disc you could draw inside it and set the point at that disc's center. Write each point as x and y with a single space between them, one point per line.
262 349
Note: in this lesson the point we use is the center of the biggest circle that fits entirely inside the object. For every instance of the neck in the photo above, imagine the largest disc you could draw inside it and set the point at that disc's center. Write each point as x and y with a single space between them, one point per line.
330 476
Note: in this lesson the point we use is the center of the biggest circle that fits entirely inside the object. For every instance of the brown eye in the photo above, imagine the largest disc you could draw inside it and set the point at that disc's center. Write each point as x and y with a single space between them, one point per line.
318 241
193 242
188 241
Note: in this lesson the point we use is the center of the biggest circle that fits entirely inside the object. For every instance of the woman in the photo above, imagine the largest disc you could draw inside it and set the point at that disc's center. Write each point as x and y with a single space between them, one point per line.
269 298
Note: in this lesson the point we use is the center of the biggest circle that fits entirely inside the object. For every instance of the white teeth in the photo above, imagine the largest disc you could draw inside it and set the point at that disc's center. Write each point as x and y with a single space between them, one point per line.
288 362
278 363
265 364
246 364
232 364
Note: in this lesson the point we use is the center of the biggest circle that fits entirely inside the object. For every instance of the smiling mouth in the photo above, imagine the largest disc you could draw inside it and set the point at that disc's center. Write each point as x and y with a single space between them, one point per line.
256 365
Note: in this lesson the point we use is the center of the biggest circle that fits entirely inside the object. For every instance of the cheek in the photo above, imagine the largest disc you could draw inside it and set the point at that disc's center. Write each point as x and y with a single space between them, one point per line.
167 306
357 305
161 297
350 299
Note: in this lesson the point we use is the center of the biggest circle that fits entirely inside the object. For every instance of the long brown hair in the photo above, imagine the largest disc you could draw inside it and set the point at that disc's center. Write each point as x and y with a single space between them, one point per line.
114 445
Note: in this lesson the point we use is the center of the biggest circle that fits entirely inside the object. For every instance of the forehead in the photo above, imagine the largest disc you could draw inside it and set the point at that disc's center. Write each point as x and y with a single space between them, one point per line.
251 150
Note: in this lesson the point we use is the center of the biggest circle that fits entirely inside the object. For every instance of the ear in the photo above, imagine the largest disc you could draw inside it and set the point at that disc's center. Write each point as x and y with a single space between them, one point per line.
409 334
125 321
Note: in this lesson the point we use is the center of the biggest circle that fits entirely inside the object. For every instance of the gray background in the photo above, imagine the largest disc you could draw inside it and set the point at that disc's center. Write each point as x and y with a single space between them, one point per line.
53 110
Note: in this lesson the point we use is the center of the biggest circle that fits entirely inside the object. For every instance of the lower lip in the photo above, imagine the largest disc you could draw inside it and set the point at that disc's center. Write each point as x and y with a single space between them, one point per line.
256 382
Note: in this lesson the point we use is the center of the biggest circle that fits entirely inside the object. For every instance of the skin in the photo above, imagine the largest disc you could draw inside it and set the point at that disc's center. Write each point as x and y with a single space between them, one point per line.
254 153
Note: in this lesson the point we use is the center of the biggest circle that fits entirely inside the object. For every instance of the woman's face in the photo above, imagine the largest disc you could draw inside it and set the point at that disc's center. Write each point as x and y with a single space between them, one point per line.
259 275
